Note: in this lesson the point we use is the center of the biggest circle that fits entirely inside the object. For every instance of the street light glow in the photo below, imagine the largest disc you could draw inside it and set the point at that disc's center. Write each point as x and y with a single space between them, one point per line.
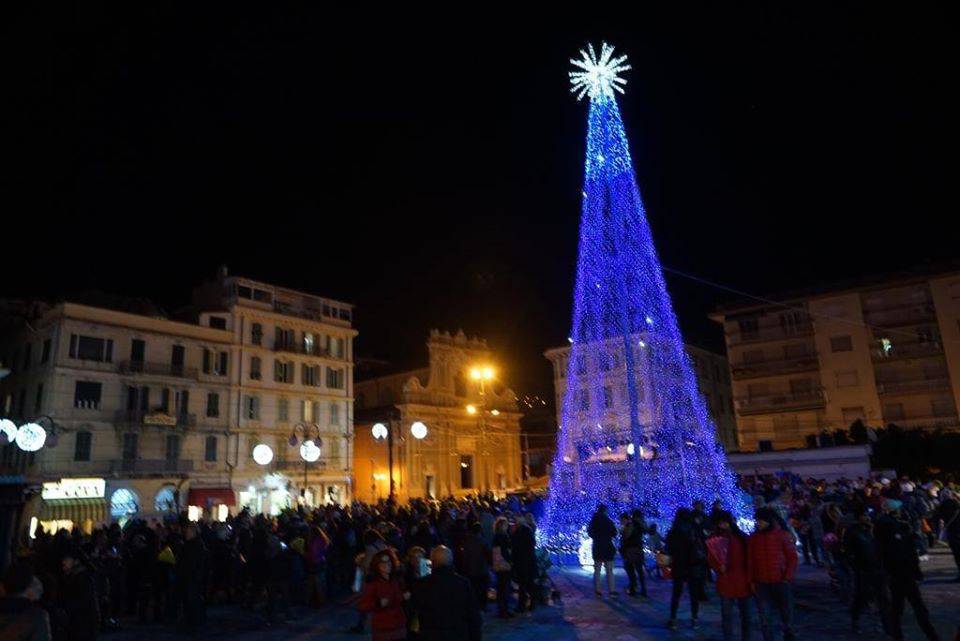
309 451
379 431
471 409
418 430
31 437
262 454
9 428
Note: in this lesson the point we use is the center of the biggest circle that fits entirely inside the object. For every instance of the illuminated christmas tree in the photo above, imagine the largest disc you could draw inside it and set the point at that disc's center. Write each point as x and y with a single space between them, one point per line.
635 431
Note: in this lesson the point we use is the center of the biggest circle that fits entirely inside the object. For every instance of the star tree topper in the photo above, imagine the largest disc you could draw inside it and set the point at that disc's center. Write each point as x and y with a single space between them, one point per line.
598 77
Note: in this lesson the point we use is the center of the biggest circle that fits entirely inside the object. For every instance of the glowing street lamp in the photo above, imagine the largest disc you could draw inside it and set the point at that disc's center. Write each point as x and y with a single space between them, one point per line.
9 429
262 454
31 437
471 409
379 431
310 451
418 430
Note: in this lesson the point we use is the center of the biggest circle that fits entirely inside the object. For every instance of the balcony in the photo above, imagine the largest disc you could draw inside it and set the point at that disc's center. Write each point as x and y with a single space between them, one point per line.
159 417
148 467
901 315
298 348
898 350
910 386
775 333
157 369
805 363
783 402
944 420
296 464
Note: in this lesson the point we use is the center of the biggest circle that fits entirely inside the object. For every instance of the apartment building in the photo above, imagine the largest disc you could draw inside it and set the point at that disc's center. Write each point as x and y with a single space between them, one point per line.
883 352
451 428
147 414
713 383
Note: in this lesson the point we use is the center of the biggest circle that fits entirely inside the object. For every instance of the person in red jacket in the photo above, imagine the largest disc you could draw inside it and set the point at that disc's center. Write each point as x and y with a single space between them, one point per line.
772 561
727 555
383 597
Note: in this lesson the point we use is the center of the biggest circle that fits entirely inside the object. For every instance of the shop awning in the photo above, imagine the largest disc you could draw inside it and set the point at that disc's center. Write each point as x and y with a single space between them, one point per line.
77 510
207 496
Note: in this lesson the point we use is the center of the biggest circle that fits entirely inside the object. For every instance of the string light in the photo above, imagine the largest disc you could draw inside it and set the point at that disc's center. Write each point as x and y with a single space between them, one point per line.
627 357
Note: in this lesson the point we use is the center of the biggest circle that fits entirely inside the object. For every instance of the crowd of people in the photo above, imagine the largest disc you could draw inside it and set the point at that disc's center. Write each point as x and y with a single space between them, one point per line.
429 569
870 535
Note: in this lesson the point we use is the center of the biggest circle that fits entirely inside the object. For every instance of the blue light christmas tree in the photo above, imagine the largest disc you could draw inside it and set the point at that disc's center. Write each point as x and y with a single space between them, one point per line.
635 431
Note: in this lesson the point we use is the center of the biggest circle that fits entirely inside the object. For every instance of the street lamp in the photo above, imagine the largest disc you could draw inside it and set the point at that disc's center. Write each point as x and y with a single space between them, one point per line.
383 433
418 430
262 454
309 449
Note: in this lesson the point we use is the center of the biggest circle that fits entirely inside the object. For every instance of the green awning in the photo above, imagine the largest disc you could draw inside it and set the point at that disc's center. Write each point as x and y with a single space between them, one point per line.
77 510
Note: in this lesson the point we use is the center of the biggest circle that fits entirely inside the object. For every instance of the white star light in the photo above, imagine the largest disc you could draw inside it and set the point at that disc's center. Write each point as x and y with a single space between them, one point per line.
598 77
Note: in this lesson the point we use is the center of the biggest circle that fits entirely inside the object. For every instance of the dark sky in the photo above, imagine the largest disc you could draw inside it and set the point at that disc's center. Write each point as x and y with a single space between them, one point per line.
429 170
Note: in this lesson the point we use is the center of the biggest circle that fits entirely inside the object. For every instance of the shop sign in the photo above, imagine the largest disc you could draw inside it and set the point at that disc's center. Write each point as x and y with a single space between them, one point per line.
74 489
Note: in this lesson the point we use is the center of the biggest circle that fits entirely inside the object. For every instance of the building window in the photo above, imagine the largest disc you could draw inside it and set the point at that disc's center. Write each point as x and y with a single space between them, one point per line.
607 397
255 368
213 405
283 410
210 449
283 338
466 471
173 447
282 372
38 401
218 322
165 500
252 408
309 343
310 374
86 395
848 379
841 344
222 362
87 348
335 414
81 446
851 414
130 447
334 378
45 354
256 334
306 411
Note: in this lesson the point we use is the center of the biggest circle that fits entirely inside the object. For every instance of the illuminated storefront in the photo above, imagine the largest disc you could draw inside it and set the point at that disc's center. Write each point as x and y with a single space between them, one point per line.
72 502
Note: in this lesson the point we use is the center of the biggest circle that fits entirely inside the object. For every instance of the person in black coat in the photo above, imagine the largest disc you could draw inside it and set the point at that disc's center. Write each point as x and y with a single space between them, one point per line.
632 529
473 562
79 599
869 582
603 532
898 554
501 559
524 561
688 563
444 602
191 568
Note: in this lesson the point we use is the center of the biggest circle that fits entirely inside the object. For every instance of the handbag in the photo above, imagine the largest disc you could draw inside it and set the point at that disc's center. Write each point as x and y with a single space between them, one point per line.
500 564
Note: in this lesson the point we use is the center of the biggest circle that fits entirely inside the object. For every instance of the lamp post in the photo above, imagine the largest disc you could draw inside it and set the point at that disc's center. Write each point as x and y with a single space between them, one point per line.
482 374
382 432
309 449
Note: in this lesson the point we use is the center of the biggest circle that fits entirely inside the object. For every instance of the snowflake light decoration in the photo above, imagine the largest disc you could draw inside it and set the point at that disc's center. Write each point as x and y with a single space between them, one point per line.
598 76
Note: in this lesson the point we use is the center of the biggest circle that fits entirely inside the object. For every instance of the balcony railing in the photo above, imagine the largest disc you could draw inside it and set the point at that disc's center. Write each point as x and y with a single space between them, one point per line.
934 421
898 350
151 466
782 402
295 464
902 315
145 417
299 348
770 367
913 385
775 333
156 369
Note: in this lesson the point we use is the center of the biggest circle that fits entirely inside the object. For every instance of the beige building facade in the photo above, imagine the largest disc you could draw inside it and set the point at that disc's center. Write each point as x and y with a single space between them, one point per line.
146 415
471 440
887 352
712 380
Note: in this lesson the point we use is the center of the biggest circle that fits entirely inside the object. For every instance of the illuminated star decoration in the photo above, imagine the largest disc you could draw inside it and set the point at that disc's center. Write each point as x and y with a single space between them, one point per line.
598 77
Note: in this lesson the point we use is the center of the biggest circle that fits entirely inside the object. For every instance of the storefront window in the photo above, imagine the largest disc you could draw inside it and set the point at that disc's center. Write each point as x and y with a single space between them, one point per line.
165 500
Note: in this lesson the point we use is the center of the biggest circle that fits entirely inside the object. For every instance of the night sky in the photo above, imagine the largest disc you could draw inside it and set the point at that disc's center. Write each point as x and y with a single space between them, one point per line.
429 171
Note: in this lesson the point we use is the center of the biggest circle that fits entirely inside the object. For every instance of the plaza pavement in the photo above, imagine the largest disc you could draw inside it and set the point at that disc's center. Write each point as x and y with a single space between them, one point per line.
582 616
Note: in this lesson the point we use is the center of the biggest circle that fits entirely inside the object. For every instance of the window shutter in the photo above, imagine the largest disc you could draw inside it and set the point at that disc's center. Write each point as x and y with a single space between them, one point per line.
109 355
144 398
316 411
206 360
73 345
